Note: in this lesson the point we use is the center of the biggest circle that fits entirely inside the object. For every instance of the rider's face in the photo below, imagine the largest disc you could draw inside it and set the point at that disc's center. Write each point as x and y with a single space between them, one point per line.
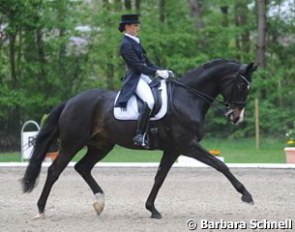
132 29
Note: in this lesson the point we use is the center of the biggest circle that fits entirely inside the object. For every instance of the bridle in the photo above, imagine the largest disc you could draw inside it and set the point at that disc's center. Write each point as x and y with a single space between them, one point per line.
240 90
231 101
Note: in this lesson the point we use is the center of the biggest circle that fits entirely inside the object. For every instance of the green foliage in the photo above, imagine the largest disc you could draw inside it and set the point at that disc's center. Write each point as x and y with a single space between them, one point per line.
233 151
42 64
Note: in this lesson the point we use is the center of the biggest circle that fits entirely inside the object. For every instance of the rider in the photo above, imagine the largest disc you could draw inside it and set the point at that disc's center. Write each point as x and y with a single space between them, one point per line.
138 75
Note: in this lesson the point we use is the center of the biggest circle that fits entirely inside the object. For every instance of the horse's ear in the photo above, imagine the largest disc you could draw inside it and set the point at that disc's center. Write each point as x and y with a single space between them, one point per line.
251 68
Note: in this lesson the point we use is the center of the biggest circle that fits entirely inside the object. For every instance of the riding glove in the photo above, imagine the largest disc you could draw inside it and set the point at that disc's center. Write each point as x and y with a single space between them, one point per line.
163 73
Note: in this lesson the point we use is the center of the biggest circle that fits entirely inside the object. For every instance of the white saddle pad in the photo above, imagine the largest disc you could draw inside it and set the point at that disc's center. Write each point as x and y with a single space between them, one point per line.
132 111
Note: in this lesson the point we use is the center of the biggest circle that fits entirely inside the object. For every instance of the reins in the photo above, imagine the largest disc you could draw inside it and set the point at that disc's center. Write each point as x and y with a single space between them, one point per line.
208 99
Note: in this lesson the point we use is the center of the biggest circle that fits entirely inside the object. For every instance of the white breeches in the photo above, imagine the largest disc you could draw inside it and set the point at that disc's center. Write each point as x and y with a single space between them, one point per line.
144 92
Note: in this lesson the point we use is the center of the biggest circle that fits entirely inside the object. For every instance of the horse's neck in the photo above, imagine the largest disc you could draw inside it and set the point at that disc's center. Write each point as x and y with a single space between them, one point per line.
195 98
206 82
194 104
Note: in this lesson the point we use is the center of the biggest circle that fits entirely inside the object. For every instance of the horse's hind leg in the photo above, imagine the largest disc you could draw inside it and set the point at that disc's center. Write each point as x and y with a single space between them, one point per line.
166 163
84 167
205 157
53 174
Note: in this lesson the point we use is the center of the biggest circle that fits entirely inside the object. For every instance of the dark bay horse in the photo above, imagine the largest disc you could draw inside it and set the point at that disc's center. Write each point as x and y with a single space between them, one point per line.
87 120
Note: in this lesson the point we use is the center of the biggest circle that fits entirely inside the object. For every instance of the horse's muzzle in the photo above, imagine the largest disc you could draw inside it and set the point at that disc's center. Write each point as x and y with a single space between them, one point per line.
235 115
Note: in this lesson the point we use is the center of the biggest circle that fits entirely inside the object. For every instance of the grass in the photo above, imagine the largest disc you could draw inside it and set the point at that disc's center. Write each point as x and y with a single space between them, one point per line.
233 151
244 150
118 154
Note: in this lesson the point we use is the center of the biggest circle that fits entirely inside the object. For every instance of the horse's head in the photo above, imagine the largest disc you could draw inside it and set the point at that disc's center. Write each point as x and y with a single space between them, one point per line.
235 91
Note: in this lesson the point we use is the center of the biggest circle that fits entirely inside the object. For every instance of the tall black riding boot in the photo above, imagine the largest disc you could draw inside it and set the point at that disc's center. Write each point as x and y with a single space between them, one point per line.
139 139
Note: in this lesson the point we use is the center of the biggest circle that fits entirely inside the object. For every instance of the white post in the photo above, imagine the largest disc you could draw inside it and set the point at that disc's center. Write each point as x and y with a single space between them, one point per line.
257 133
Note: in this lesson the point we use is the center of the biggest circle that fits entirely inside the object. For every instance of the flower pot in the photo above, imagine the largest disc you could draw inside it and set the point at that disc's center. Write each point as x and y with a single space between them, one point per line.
51 156
290 155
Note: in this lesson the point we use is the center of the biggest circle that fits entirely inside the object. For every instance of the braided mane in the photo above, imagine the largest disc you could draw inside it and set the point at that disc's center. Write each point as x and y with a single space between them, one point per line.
218 61
210 64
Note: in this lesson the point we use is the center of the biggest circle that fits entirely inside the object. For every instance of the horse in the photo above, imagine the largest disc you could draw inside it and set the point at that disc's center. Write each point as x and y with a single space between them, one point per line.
87 120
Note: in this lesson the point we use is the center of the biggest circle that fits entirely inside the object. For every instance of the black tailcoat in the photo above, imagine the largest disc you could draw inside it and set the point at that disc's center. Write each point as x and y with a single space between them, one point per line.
137 63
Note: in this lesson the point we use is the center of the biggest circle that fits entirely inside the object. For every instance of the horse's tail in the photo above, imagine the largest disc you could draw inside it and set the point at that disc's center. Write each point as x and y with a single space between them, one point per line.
47 134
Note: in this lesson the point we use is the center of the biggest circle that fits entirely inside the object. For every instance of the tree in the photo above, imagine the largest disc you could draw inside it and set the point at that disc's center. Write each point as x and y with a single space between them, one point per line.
45 59
195 6
162 8
241 21
261 10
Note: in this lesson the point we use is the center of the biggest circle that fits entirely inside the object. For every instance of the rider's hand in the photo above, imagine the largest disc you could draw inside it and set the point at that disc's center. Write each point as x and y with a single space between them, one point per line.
171 74
163 73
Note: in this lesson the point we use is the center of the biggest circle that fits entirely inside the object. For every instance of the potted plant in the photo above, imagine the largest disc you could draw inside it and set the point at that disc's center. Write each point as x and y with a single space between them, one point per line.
290 150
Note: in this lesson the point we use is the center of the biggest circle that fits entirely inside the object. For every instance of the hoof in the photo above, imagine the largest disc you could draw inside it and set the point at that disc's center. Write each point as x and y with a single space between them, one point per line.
99 204
98 207
39 216
250 203
156 215
247 198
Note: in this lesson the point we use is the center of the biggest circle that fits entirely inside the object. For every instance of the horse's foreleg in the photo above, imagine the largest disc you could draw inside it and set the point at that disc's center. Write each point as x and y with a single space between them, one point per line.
166 163
84 167
204 156
53 174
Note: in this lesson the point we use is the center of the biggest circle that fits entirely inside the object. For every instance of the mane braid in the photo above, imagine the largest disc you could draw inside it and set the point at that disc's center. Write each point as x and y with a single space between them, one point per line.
211 64
218 61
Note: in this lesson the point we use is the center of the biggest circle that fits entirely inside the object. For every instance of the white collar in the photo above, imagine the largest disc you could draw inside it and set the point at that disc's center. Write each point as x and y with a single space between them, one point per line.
136 39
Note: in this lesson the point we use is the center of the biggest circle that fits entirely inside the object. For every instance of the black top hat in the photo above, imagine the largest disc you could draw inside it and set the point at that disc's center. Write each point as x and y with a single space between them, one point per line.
128 19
